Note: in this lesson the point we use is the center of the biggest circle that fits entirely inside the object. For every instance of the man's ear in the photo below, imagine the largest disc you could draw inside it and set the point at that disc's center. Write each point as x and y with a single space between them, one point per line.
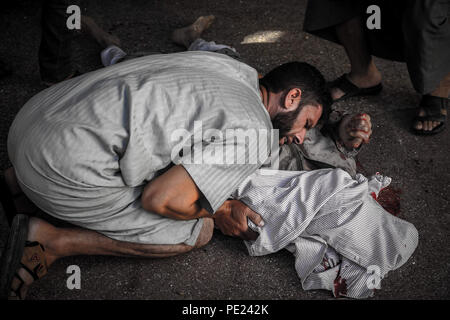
292 99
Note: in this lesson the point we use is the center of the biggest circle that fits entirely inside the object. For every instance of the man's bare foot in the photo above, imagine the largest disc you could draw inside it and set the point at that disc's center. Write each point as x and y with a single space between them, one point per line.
185 36
103 38
47 235
366 80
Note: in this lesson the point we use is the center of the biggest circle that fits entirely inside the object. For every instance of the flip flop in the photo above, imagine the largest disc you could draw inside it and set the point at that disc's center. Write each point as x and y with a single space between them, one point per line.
20 253
350 90
433 107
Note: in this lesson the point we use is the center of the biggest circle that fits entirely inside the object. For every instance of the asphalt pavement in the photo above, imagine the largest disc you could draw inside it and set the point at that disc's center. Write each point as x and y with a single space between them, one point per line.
418 165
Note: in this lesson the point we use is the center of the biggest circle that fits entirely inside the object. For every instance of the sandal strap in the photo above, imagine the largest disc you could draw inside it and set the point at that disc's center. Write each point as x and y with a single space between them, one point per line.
344 84
434 105
31 272
33 260
437 118
33 244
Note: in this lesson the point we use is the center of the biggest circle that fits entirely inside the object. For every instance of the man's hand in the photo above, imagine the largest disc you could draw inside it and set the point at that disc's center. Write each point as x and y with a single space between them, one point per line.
231 219
355 129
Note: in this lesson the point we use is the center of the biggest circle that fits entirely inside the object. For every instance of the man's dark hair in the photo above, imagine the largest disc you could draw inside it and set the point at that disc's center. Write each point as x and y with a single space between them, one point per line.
297 75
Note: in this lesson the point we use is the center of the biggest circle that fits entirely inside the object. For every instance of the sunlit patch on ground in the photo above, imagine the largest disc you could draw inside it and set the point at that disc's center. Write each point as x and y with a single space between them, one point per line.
263 37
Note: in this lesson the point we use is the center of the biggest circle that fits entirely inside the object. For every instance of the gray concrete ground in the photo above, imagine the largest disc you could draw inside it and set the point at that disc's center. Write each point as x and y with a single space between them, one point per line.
419 166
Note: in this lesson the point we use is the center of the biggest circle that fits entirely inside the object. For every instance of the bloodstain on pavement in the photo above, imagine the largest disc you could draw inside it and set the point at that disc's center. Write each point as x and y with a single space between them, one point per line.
389 199
340 287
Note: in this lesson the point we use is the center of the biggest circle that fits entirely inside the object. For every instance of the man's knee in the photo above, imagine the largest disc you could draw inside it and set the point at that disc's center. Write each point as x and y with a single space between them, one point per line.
206 233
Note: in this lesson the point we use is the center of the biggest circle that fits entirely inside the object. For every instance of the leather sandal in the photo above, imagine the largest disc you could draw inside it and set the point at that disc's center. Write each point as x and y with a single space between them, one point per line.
433 107
20 254
350 90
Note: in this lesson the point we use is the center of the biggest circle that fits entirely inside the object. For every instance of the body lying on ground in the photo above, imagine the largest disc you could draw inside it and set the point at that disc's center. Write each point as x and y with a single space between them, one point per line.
341 237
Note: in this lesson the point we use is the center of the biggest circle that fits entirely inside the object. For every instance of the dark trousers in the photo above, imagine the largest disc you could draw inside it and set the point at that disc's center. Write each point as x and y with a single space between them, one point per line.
55 49
414 31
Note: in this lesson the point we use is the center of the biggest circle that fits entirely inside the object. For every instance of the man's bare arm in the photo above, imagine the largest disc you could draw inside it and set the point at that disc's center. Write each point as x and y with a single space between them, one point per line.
174 195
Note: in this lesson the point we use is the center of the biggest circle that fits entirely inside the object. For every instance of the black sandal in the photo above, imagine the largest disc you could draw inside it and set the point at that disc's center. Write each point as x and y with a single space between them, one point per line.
433 107
351 90
20 253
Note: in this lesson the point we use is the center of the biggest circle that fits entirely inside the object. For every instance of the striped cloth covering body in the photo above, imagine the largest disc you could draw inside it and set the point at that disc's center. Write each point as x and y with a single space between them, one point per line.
341 238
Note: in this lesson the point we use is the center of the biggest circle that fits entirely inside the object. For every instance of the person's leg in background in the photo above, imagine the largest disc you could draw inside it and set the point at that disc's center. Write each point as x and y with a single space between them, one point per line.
189 37
103 38
55 50
426 31
363 73
111 53
343 22
426 28
416 32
